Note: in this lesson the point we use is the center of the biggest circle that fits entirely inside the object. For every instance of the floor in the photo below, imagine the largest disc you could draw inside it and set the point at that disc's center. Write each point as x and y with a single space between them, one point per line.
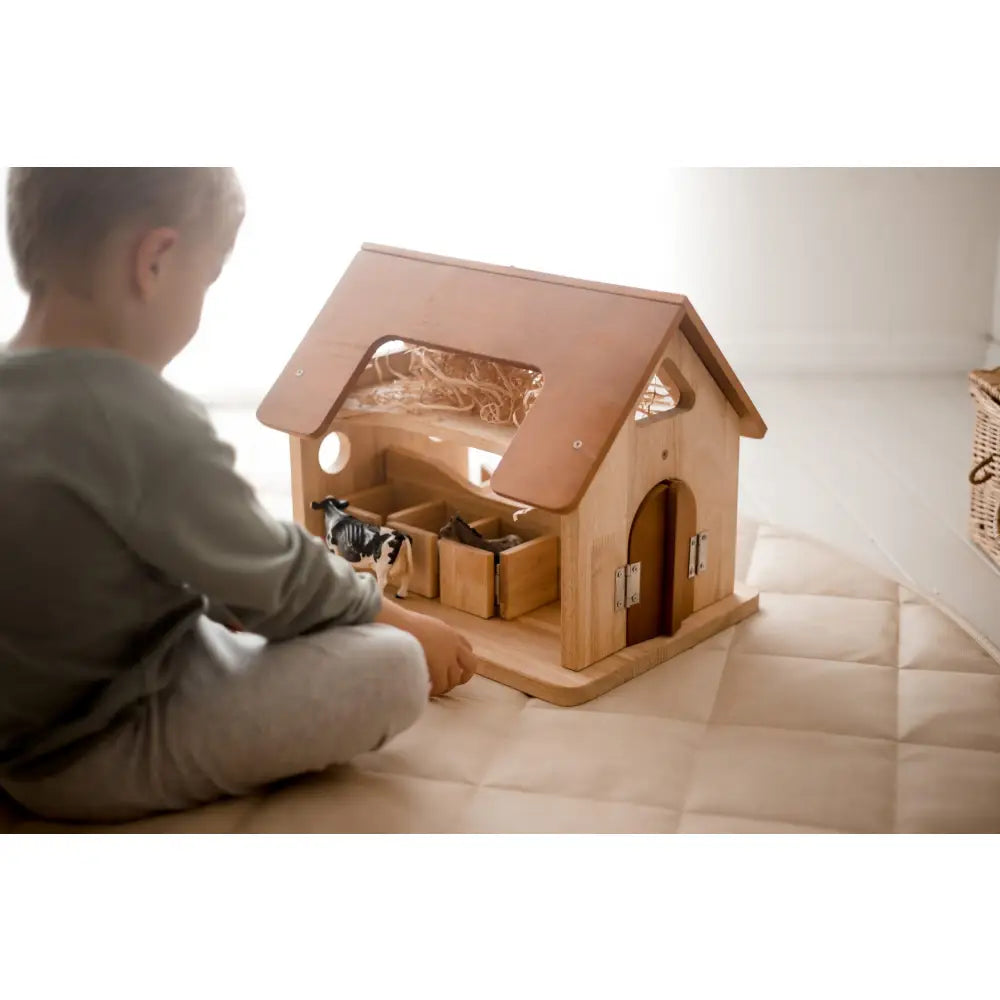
874 466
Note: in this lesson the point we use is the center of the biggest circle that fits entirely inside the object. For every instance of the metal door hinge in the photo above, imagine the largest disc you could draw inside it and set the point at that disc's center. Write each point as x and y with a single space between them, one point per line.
620 589
632 583
697 554
627 583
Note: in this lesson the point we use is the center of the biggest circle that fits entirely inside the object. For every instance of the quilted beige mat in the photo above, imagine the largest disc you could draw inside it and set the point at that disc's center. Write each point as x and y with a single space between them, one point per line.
846 705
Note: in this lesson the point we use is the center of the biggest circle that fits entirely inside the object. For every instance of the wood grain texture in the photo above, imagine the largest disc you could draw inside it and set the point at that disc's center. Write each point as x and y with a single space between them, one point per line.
363 480
422 523
524 654
403 465
431 515
426 574
388 498
529 576
707 444
528 573
594 543
517 272
309 483
468 578
369 516
365 468
461 429
373 441
488 527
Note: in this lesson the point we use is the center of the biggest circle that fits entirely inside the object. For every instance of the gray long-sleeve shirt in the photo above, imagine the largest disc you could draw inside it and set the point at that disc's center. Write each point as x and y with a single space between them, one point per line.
122 519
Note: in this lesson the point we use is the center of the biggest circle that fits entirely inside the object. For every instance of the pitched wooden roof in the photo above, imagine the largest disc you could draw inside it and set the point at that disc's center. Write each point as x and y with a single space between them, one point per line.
596 344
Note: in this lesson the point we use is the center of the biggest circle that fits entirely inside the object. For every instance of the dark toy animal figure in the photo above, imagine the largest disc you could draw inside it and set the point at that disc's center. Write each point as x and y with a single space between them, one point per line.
385 551
459 530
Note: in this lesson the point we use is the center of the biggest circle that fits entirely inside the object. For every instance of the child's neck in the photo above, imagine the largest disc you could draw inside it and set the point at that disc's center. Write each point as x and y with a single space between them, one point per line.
63 320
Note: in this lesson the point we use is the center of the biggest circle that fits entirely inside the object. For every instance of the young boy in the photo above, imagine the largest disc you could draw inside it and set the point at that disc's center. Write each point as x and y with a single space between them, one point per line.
126 536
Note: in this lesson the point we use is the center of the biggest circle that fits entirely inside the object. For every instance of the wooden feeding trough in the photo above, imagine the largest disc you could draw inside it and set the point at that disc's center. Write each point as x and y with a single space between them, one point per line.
617 421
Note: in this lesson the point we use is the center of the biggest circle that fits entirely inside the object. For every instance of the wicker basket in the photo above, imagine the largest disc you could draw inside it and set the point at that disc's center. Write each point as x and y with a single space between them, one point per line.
984 517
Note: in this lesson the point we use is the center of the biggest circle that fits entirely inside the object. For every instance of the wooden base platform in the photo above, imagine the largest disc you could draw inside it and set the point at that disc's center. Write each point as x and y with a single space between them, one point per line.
525 654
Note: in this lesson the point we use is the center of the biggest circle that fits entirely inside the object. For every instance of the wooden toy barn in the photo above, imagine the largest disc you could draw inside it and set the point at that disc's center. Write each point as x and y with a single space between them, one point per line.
617 422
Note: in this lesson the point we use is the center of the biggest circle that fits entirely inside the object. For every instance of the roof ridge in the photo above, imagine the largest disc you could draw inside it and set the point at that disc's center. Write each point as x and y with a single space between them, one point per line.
546 277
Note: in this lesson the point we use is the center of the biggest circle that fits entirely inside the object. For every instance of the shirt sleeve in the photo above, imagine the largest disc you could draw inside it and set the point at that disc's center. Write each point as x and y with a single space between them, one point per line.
198 521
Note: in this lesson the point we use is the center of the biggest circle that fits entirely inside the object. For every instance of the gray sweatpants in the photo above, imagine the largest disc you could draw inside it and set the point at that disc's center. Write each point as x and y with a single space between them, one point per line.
241 714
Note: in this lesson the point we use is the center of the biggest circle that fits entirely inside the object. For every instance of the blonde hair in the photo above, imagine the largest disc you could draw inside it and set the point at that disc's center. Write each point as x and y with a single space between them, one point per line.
58 217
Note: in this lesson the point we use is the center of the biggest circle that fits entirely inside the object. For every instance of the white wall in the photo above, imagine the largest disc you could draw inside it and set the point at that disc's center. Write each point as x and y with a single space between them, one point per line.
852 270
803 270
993 354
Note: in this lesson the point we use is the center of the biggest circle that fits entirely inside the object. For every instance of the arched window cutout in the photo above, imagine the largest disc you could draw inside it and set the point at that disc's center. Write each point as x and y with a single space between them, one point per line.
667 394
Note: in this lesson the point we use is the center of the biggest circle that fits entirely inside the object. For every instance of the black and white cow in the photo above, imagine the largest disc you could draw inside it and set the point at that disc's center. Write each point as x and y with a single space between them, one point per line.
385 551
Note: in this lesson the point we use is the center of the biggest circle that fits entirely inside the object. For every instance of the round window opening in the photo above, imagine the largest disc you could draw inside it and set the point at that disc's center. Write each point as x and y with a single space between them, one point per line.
334 452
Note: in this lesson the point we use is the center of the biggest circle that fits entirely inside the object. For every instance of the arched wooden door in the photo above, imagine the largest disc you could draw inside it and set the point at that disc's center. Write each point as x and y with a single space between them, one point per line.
658 542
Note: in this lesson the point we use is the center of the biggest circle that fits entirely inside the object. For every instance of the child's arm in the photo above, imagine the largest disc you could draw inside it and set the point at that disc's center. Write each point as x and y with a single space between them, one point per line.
200 523
178 503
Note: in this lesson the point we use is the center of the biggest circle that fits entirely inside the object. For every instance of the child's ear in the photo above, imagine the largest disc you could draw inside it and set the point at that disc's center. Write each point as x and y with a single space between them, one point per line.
152 255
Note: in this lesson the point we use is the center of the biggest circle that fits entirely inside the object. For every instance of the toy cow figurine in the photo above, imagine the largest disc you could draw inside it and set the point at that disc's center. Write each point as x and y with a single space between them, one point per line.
385 551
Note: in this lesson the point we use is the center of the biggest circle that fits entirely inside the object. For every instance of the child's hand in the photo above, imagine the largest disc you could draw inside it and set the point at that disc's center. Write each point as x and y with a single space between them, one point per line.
450 659
449 654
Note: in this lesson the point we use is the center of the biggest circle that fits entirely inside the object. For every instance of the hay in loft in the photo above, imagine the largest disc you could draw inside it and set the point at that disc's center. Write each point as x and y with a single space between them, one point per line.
422 379
659 397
